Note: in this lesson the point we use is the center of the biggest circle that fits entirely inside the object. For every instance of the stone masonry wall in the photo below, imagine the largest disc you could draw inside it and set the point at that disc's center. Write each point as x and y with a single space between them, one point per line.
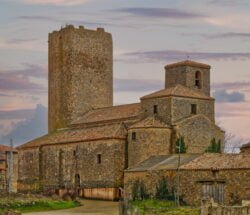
198 133
80 65
237 187
28 170
15 170
181 108
149 142
61 164
185 75
164 108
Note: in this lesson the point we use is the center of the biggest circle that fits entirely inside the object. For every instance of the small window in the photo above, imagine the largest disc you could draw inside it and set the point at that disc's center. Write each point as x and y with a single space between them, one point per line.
74 153
133 135
193 109
99 158
155 109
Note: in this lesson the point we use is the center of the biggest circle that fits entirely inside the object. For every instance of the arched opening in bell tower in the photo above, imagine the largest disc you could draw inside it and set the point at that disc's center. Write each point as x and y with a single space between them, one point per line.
198 79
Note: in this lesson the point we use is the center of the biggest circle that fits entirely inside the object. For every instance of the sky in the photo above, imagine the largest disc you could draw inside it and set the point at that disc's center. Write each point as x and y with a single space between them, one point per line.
147 35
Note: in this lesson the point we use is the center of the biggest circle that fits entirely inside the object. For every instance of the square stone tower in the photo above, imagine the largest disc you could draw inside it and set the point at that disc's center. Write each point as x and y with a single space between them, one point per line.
80 73
189 74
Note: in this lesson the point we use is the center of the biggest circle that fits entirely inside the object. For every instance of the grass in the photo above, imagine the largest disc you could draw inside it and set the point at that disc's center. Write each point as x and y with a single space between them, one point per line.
164 207
36 206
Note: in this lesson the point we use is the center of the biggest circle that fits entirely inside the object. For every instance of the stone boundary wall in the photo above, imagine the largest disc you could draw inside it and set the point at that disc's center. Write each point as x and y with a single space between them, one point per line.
208 208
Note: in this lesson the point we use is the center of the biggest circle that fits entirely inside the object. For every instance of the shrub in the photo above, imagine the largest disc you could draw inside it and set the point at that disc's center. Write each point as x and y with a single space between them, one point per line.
215 146
162 190
180 145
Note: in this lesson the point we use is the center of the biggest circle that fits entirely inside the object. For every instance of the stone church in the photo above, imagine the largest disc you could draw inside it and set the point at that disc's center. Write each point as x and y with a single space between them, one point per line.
90 141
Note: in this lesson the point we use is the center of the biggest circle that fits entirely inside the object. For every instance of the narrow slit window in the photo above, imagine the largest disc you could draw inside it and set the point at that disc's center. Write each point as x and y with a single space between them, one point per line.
133 135
193 109
99 158
155 109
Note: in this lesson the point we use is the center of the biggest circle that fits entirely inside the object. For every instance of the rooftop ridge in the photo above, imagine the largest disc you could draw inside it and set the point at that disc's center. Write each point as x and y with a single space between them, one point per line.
188 63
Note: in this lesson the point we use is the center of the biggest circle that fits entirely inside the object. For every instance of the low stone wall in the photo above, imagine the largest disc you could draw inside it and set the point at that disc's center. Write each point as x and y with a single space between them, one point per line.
209 208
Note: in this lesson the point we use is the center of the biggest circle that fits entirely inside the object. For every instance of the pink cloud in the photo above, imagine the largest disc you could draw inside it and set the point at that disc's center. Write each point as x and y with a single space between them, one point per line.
57 2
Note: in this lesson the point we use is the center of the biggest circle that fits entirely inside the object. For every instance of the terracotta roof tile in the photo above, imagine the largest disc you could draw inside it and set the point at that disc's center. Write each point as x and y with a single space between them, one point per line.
110 113
149 122
188 63
178 91
216 161
78 135
4 148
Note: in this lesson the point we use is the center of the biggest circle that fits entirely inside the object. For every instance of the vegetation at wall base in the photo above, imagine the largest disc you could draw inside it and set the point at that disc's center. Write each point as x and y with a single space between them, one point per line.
165 207
162 190
35 206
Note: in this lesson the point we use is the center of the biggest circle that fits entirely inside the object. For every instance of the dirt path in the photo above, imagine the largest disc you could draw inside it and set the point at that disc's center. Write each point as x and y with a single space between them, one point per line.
90 207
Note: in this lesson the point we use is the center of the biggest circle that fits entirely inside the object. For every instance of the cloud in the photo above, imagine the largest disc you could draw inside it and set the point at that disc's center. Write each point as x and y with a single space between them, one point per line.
16 83
164 56
23 44
159 13
28 70
19 79
224 96
231 85
56 2
226 35
224 3
137 85
16 114
30 128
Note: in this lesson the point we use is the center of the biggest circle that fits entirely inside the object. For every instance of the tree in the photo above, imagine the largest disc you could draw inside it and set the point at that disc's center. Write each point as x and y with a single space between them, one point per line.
162 190
180 145
139 191
215 146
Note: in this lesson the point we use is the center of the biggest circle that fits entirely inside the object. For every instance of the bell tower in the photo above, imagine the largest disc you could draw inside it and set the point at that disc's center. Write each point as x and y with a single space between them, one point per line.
189 74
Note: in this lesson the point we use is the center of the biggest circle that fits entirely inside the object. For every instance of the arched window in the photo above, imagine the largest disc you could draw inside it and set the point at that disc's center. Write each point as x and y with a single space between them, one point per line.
198 79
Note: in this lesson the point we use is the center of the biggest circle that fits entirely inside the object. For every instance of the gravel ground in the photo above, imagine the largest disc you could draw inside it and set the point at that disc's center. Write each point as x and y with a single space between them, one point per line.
89 207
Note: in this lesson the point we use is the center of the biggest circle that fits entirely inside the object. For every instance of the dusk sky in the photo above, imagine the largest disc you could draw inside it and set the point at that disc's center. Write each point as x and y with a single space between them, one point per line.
147 35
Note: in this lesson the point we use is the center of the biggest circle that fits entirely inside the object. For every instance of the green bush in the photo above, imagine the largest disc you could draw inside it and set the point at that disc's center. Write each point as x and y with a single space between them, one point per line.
162 190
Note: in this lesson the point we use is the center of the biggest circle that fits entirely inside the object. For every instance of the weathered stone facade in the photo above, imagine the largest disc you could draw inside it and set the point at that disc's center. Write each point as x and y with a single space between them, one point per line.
90 141
230 171
80 73
8 165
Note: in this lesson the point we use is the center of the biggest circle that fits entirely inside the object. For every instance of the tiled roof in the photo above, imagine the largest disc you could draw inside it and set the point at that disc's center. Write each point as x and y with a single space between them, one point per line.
169 162
147 164
4 148
216 161
178 91
78 135
149 122
188 63
247 145
110 113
